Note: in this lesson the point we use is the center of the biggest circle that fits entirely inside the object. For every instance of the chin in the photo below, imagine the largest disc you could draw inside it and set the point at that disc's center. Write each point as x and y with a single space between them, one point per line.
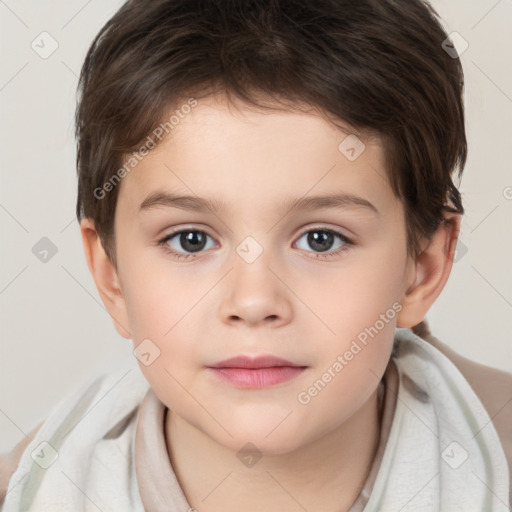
264 436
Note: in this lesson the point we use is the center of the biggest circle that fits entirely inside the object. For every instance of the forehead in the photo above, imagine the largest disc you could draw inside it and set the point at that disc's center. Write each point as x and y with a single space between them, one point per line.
232 151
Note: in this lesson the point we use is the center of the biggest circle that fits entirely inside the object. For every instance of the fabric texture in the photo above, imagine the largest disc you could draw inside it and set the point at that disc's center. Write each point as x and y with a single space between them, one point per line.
438 449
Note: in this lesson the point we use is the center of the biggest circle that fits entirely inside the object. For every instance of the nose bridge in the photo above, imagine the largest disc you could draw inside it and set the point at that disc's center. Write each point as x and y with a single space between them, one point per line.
251 274
254 292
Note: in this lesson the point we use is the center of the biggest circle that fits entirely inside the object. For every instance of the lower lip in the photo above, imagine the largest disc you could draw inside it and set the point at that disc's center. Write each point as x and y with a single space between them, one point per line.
257 378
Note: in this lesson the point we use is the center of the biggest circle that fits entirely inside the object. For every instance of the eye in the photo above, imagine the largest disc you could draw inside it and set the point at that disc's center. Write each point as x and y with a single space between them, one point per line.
194 241
191 240
322 239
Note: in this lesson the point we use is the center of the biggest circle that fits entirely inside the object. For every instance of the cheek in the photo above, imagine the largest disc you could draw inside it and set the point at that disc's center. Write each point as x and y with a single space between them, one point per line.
353 361
360 306
156 295
163 324
164 304
355 297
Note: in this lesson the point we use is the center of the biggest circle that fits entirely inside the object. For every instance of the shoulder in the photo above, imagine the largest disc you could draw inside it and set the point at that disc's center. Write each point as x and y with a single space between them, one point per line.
100 407
9 461
492 386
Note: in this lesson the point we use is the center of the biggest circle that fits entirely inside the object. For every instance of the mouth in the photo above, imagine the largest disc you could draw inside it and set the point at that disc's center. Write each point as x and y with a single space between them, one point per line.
256 373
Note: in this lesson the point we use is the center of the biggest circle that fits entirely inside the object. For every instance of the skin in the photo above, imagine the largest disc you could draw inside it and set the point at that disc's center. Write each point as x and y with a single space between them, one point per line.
288 302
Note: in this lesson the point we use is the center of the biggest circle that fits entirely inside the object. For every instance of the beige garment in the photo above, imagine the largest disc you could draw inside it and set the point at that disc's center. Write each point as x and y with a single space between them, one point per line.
157 481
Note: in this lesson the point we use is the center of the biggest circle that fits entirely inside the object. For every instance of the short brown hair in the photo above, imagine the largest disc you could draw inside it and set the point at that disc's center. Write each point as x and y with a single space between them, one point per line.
376 65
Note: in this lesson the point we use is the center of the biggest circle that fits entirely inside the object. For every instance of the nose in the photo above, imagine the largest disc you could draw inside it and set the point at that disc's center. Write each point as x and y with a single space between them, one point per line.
254 293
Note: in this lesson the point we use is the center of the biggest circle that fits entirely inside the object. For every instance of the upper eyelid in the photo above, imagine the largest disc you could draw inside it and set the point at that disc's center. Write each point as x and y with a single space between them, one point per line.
324 228
319 226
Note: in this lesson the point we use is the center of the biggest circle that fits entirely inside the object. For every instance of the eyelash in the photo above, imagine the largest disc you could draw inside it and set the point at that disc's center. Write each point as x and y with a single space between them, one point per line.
347 243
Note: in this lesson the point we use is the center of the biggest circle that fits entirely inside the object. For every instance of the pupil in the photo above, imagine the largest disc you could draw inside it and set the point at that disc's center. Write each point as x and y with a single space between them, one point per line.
320 242
192 241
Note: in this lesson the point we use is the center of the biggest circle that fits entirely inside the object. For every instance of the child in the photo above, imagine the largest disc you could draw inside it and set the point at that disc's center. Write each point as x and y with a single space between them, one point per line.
286 364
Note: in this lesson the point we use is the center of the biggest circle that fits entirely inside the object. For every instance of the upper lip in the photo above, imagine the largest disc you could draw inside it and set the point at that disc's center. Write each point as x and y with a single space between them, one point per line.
254 362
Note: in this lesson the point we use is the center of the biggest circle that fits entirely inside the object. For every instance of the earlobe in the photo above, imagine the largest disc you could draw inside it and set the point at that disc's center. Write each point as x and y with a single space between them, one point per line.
105 277
430 272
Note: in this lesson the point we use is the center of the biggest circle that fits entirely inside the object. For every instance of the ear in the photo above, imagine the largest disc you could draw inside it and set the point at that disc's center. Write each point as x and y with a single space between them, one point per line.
429 272
105 276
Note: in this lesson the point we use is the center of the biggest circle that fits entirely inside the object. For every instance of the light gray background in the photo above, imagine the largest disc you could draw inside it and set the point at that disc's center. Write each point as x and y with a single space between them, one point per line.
54 329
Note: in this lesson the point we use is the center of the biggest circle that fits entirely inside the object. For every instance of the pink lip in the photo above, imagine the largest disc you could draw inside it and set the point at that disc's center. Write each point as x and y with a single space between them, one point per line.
260 372
253 362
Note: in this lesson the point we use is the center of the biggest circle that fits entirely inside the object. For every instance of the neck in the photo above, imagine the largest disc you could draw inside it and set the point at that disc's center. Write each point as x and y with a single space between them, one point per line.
327 474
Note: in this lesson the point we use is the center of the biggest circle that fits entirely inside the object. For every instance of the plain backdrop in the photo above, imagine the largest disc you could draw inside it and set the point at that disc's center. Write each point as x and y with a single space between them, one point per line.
54 330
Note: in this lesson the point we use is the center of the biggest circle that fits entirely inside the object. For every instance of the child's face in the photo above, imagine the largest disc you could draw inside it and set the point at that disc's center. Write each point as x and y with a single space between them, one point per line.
259 285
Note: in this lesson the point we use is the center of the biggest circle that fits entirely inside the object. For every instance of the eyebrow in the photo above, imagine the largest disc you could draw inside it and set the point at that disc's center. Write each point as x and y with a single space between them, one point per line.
199 204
